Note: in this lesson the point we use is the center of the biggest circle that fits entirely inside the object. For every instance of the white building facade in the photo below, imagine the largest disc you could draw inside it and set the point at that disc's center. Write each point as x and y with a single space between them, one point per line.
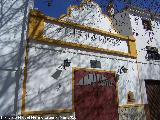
84 64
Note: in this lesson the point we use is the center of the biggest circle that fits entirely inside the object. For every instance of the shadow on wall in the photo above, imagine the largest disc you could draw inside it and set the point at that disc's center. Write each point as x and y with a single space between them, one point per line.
53 80
13 18
122 23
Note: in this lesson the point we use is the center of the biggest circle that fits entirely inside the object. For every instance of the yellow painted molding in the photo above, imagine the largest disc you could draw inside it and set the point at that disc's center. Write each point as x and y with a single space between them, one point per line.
23 106
131 105
69 10
24 81
86 47
73 107
131 38
94 69
117 88
36 14
47 112
36 27
76 7
132 48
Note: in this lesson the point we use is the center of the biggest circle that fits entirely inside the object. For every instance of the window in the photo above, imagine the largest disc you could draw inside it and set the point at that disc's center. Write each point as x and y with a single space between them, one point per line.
95 64
147 24
152 53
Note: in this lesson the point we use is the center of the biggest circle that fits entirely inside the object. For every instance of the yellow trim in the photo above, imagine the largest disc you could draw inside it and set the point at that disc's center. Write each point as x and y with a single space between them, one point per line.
23 112
47 112
131 105
36 27
94 69
132 47
73 107
35 33
117 87
74 6
69 10
87 47
38 14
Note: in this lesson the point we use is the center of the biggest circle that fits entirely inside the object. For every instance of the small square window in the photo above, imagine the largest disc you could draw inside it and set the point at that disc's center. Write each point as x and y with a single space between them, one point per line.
147 24
152 53
95 64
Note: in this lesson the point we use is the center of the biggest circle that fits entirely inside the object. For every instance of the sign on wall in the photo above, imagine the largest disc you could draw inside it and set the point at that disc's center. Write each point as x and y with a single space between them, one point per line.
68 34
53 31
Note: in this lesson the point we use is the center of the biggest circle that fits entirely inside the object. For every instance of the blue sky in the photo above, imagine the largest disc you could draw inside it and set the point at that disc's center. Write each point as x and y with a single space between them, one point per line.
59 7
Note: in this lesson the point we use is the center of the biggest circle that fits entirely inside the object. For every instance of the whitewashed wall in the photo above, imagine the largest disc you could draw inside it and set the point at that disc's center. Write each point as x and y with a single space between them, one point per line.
147 69
12 36
90 14
49 86
43 91
133 24
58 32
144 37
7 92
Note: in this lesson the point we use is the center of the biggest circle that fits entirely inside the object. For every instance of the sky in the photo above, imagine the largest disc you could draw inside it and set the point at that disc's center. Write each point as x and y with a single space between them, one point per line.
59 7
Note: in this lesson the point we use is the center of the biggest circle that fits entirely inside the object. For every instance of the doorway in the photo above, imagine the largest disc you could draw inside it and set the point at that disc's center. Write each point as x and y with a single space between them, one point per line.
153 97
95 95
